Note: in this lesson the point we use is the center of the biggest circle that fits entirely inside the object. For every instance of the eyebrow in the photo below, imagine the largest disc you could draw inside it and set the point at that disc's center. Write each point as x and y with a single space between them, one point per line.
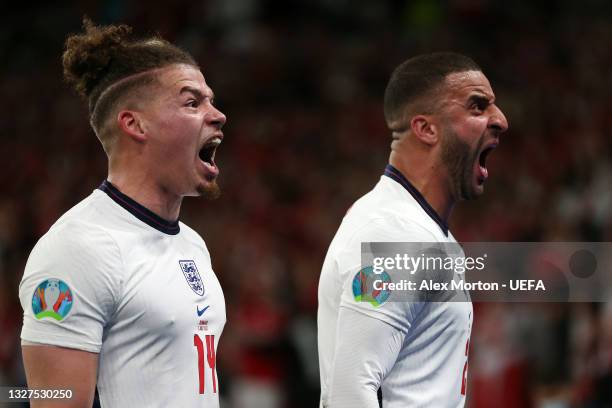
197 93
480 99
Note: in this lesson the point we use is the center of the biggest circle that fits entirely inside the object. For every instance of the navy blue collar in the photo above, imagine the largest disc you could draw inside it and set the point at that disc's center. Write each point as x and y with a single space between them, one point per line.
395 174
142 213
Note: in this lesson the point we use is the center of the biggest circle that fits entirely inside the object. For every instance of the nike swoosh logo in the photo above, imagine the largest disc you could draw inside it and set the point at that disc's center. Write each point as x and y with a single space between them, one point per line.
201 312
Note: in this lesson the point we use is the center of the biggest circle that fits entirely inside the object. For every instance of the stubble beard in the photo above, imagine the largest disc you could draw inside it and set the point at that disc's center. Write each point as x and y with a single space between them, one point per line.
210 191
459 162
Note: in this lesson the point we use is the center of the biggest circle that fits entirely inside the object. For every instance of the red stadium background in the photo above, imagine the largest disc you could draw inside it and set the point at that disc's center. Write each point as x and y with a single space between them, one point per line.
302 83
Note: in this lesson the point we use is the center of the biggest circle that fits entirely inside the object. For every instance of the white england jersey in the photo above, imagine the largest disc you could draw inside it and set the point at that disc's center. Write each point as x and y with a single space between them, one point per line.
416 352
113 278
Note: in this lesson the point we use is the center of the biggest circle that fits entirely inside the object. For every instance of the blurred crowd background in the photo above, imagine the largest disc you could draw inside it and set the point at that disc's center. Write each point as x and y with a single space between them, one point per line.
301 83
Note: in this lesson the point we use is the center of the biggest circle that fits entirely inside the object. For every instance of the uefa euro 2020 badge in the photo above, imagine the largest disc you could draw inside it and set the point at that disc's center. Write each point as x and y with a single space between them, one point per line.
52 299
365 290
190 270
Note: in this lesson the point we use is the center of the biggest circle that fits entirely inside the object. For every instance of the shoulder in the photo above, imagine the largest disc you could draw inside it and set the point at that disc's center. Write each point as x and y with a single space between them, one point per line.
79 236
81 254
386 213
80 244
390 227
79 240
192 236
400 211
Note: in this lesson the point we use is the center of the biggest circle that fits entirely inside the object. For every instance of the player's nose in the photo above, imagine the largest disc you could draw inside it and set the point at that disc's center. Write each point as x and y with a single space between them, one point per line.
497 120
216 118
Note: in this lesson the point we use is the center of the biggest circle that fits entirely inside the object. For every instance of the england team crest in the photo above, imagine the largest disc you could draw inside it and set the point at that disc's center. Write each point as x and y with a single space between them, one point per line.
190 270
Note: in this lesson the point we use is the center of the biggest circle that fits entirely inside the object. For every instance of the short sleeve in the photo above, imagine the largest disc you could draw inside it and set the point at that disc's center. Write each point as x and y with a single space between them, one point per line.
71 286
399 314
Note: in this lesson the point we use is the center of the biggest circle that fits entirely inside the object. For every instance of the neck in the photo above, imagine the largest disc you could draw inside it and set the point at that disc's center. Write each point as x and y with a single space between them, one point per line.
140 187
429 179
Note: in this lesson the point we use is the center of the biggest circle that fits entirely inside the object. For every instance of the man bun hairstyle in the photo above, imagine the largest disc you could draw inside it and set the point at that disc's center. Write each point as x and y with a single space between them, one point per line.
415 79
104 63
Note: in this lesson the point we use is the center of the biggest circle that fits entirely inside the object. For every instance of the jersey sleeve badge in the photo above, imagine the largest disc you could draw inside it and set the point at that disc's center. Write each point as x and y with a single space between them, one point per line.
365 290
52 299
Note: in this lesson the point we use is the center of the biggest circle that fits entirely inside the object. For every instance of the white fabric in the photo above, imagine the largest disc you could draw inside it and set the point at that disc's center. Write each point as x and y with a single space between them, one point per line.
366 353
429 368
132 304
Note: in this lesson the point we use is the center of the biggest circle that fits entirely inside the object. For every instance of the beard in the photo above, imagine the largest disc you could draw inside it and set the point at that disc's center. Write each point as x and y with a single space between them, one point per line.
459 161
210 191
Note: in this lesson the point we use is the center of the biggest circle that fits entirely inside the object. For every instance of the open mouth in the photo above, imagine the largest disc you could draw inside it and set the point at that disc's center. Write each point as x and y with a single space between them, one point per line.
482 159
482 162
208 151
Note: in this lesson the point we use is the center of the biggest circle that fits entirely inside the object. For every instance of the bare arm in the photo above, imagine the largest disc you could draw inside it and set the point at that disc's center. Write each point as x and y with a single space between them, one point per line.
50 367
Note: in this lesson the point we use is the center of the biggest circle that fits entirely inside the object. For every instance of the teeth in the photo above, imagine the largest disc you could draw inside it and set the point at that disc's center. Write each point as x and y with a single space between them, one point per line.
214 142
208 151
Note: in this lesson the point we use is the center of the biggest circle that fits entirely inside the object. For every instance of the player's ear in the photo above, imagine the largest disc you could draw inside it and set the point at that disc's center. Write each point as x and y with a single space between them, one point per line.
425 130
131 123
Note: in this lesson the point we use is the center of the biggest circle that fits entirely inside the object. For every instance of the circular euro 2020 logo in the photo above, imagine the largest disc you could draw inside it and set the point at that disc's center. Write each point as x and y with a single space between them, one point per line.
52 299
367 286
